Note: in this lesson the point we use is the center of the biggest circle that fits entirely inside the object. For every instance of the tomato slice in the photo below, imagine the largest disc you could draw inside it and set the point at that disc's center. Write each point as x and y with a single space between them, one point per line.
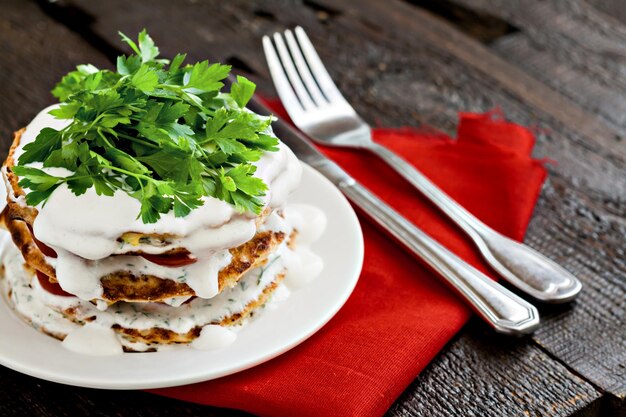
171 260
51 287
46 250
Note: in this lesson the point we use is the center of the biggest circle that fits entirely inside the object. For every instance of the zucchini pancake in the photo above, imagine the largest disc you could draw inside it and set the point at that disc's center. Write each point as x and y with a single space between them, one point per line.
147 206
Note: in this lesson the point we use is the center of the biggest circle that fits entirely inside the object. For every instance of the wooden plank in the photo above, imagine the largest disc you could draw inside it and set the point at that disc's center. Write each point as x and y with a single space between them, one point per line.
604 100
32 63
576 20
368 85
509 77
589 335
476 353
613 9
477 24
555 41
25 396
574 33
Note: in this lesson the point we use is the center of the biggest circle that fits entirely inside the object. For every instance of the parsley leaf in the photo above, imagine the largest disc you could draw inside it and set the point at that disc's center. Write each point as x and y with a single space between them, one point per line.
164 133
145 79
205 78
47 141
242 91
147 49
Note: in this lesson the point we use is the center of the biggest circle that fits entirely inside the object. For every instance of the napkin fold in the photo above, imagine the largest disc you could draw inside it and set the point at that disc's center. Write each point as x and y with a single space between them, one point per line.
400 315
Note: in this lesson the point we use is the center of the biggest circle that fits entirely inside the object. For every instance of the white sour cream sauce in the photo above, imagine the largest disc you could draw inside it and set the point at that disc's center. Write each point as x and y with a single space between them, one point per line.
83 230
43 310
94 338
303 265
214 337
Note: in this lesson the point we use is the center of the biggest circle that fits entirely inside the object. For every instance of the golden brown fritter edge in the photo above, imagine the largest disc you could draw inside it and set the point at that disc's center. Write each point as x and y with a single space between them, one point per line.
125 286
156 335
162 336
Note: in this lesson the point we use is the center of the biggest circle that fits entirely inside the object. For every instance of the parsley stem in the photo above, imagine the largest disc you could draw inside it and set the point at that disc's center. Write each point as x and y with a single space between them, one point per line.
137 140
104 138
132 174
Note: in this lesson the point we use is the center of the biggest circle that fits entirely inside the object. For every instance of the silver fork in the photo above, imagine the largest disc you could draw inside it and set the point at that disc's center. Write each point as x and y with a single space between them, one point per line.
317 107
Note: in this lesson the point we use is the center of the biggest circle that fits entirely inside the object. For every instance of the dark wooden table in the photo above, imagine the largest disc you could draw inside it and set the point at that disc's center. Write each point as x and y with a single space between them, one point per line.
559 65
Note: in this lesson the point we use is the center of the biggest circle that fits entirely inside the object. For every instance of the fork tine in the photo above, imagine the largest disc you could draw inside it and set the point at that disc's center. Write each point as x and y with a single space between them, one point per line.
292 74
303 69
318 69
286 94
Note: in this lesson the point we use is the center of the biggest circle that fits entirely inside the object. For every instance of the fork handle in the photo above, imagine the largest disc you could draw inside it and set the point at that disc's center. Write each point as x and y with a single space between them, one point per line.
519 264
503 310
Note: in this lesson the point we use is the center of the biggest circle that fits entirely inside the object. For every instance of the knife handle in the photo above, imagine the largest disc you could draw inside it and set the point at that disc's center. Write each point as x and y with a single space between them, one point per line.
504 311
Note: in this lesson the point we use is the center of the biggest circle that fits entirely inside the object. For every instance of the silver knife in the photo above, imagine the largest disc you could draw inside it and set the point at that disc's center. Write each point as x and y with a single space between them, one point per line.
500 308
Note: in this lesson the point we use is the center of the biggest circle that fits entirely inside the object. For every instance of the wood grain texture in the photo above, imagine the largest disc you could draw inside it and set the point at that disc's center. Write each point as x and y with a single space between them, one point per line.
579 52
32 62
577 37
23 396
613 9
474 359
398 65
578 84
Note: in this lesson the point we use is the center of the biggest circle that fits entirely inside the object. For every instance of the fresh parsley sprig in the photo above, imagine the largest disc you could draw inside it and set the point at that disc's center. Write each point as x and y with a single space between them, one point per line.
161 131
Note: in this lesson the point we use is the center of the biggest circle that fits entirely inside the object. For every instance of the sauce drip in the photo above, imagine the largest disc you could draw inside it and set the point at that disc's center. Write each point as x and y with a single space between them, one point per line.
302 264
45 249
214 337
51 287
93 339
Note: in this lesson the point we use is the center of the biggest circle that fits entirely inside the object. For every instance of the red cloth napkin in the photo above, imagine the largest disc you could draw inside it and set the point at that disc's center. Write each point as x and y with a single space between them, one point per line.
399 315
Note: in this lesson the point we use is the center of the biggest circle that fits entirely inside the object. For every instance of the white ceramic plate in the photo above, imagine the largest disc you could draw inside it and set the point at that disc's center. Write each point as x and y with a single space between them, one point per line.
307 309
